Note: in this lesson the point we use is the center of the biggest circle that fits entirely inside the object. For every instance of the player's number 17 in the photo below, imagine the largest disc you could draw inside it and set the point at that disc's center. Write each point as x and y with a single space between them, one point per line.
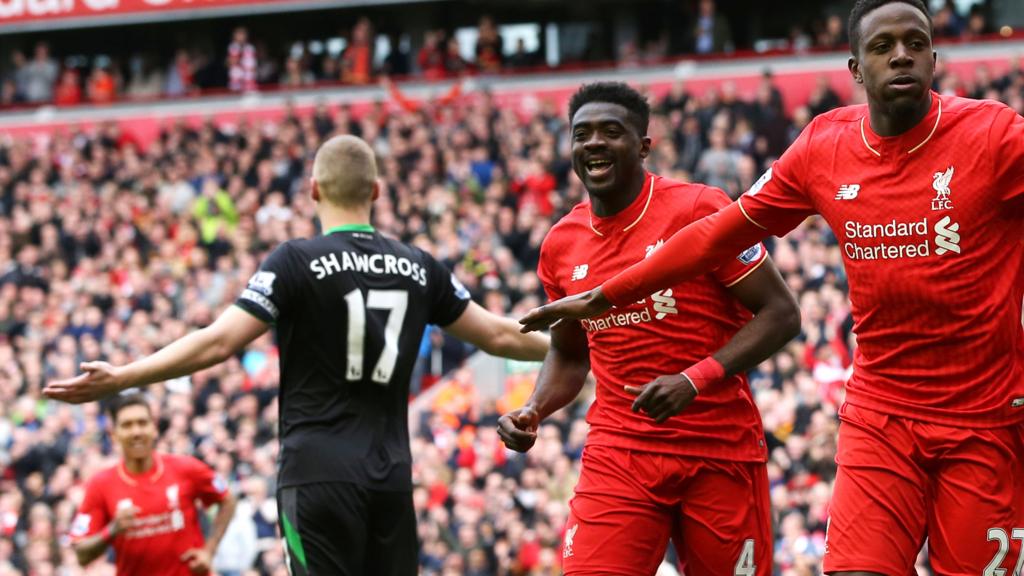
994 567
397 302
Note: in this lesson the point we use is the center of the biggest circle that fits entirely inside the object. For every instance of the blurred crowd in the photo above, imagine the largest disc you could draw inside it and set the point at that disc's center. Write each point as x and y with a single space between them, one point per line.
110 251
361 55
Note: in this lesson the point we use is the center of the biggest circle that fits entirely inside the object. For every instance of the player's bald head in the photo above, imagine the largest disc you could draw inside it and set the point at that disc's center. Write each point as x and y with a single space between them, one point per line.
345 171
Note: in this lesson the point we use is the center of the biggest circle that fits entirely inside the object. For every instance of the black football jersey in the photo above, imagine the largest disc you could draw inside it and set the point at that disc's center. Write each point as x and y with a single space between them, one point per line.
350 308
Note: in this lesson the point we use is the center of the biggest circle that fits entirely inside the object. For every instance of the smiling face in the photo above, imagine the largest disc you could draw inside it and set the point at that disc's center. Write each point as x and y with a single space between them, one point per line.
895 60
135 431
607 149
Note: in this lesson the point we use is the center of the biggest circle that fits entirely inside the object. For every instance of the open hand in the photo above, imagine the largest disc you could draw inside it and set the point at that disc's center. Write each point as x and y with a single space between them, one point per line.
664 397
518 428
98 380
583 305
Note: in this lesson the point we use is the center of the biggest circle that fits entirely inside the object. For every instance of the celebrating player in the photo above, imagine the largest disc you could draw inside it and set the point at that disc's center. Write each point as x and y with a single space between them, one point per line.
350 308
925 194
145 506
691 468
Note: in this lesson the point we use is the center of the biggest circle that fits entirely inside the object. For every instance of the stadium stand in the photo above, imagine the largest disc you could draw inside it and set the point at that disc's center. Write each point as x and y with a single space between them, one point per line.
114 242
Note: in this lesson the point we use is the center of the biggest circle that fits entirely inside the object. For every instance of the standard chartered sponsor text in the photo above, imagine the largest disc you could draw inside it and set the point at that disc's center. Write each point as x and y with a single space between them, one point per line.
903 240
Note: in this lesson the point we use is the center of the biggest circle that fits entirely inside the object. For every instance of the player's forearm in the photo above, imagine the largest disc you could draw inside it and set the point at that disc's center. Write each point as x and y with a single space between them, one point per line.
772 327
200 349
696 249
91 548
510 343
225 512
559 382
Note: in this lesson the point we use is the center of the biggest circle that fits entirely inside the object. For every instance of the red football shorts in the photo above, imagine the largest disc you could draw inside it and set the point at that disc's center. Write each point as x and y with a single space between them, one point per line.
902 480
629 503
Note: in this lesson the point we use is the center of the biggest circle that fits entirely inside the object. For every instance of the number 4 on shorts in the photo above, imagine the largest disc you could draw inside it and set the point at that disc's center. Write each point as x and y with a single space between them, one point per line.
994 567
745 564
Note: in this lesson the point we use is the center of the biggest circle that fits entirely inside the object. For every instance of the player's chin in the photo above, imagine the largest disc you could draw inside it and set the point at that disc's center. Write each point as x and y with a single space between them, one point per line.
906 97
600 187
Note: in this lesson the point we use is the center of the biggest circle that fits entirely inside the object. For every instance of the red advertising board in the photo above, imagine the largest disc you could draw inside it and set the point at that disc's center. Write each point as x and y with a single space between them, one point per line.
15 12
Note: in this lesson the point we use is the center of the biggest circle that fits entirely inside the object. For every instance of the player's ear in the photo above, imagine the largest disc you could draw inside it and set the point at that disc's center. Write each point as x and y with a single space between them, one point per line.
854 65
376 190
314 190
645 146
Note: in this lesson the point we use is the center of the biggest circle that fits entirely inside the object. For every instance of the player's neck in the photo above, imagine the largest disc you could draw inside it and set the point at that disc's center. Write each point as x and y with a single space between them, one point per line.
615 202
887 121
336 218
139 465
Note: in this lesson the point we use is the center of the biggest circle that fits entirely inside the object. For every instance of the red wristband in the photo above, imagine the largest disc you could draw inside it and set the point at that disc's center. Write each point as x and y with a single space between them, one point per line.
705 373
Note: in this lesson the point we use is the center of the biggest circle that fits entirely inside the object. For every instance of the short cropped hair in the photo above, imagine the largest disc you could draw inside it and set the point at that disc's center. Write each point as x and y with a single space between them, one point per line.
863 7
345 170
614 93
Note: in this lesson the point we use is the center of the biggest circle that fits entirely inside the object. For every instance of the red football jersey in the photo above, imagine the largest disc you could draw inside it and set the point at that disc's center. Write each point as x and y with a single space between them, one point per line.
931 227
166 524
662 334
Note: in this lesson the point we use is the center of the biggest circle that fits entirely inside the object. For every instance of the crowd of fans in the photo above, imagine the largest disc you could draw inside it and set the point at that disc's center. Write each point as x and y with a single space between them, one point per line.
112 251
249 63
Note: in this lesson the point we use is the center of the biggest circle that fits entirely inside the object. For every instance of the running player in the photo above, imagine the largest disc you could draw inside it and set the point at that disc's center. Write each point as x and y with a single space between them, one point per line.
692 465
925 194
145 506
349 308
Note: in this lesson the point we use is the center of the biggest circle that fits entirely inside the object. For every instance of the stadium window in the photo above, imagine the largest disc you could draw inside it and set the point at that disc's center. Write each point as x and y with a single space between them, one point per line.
552 55
510 34
381 49
335 46
963 7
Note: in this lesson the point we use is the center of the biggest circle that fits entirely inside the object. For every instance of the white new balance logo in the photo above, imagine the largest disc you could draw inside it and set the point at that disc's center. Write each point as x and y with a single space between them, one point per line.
848 192
947 239
580 272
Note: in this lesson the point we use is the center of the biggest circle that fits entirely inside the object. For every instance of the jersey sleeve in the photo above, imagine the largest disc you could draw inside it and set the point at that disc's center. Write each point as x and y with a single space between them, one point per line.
92 514
546 272
209 487
448 297
777 201
709 201
267 293
1006 140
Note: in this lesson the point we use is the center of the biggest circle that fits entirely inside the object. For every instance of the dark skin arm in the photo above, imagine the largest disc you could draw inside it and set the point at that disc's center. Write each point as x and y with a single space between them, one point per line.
560 380
776 321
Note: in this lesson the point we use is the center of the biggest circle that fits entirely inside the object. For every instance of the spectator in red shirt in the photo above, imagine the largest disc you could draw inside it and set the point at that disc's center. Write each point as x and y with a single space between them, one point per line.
489 56
431 58
357 59
68 91
102 88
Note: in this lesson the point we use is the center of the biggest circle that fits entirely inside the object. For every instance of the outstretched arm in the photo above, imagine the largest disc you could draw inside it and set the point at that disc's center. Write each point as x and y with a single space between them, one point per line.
232 330
696 249
497 335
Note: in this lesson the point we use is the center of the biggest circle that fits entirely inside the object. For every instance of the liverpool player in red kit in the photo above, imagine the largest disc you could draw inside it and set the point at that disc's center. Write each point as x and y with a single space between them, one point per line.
145 506
675 447
925 194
